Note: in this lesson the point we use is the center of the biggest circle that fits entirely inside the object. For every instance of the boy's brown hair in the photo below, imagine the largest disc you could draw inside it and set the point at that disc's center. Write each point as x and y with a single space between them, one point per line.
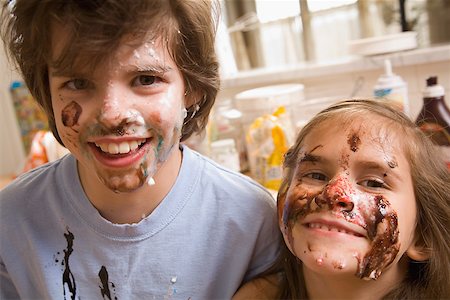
431 180
97 27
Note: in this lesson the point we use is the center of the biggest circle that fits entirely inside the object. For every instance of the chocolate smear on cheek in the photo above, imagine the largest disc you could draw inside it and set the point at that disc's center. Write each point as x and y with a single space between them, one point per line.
296 206
70 114
382 229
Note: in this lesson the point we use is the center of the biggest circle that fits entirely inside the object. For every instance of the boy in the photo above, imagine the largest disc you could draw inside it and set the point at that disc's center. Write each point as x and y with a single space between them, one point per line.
130 213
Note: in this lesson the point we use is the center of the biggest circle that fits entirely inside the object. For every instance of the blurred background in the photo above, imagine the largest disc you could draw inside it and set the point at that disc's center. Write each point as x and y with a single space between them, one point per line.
281 61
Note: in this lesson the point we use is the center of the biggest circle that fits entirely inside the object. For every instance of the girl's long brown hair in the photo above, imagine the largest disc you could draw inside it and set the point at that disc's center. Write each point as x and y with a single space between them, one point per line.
431 179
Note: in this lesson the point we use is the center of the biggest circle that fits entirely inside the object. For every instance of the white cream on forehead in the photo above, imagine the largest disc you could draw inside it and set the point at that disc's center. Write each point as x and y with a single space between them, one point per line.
150 50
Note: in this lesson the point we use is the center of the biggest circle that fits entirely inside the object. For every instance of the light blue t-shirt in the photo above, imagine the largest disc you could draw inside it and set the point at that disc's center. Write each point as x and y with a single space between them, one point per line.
214 230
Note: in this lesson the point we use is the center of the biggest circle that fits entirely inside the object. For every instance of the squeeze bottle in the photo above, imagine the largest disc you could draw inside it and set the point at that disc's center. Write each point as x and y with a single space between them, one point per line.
393 88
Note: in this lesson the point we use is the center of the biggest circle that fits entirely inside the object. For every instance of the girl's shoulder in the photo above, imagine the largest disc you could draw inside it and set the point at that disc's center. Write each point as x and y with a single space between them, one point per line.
262 288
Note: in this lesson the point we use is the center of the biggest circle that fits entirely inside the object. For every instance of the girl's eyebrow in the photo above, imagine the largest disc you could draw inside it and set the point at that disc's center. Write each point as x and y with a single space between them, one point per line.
310 158
372 165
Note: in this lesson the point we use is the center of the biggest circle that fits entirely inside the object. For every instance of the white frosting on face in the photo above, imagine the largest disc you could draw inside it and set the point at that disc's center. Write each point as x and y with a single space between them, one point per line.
137 96
350 208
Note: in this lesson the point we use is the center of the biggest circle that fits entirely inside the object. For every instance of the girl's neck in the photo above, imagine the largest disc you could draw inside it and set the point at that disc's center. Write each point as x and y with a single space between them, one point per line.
320 286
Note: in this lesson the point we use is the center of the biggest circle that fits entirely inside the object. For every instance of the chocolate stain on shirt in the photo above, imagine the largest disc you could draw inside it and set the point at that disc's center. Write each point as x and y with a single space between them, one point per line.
67 277
104 279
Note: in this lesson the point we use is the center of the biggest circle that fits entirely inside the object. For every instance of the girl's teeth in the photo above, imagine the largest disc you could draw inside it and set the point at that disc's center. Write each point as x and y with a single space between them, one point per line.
325 227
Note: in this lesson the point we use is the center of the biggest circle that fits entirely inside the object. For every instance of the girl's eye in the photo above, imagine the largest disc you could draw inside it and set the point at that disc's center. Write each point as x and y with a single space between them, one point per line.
372 183
145 80
78 84
317 176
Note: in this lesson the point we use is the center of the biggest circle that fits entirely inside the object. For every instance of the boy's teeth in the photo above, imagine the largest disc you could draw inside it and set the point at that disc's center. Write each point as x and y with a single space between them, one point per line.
123 147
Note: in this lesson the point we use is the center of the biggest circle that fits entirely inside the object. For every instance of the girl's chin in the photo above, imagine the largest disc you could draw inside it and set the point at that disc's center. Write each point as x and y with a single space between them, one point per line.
328 262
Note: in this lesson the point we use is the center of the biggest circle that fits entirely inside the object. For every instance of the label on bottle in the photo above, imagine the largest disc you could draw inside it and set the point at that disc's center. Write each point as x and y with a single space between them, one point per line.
398 97
437 133
445 150
441 138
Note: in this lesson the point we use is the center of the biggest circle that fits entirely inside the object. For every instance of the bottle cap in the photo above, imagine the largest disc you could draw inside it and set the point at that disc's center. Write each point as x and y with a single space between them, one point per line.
433 89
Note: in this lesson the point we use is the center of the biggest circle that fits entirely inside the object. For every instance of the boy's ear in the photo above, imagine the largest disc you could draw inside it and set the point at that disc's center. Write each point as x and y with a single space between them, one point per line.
418 251
192 97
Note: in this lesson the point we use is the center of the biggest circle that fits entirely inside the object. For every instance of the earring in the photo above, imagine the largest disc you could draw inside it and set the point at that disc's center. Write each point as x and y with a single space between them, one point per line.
194 111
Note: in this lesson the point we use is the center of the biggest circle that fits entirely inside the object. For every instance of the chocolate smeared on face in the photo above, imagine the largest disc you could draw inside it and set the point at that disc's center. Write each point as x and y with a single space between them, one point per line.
392 163
372 213
383 232
354 141
70 114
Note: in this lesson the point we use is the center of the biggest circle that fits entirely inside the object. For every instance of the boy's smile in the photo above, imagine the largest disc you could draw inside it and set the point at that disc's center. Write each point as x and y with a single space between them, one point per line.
123 120
350 206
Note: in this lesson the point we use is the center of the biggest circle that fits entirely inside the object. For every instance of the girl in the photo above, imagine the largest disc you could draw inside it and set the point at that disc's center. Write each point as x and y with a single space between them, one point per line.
364 210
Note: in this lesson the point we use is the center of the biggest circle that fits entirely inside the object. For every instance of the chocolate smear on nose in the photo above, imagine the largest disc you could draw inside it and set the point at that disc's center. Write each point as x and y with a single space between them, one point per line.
70 114
354 141
383 232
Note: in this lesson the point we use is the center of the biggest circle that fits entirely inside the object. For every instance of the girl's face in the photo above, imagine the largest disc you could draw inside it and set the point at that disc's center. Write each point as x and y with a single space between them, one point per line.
123 120
350 206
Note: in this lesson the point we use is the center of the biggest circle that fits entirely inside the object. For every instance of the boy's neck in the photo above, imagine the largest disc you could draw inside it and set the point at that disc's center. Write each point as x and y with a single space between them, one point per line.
350 287
132 207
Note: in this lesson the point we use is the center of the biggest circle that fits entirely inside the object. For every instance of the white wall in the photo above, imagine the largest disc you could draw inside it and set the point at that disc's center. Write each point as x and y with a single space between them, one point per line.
12 155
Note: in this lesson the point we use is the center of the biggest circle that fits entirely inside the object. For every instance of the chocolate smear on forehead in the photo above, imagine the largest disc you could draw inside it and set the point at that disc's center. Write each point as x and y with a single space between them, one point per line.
70 114
392 163
354 141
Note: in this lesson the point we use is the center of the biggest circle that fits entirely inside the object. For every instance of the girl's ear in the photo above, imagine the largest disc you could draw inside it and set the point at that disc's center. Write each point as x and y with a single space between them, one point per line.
418 251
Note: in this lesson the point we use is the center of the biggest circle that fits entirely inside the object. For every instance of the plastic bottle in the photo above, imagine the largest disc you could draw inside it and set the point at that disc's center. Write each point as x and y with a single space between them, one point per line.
392 87
224 152
434 118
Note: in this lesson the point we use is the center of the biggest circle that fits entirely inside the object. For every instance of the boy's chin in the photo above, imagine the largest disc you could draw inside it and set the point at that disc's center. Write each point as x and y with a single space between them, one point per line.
125 183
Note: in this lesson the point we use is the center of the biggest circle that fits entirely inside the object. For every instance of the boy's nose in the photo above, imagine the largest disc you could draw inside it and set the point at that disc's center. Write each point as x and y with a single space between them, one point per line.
113 110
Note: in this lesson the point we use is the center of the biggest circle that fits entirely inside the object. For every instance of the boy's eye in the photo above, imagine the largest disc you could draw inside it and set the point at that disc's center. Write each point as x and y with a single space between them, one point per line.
78 84
317 176
372 183
144 80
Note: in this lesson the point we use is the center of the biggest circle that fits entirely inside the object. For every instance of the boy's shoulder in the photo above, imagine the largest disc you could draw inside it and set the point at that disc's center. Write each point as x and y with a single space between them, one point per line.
36 181
230 182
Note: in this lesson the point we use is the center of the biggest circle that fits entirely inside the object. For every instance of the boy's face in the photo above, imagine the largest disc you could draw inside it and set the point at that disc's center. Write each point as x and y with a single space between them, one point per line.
350 207
123 120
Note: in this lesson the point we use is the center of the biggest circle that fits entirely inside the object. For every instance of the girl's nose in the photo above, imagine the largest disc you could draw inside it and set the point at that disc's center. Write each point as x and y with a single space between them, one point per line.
337 195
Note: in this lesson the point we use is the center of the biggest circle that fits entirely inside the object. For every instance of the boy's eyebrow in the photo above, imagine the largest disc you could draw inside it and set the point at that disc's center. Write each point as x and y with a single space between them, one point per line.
153 69
159 69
